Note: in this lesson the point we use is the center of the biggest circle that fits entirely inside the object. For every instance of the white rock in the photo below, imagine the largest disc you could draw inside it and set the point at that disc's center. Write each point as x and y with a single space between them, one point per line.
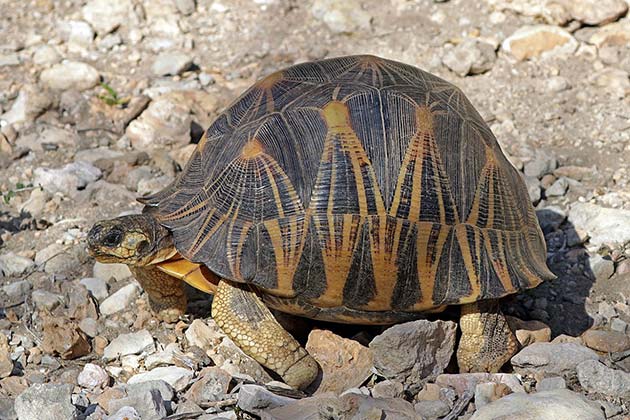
171 63
30 103
46 300
558 404
45 402
551 359
470 57
96 286
45 55
66 180
177 377
12 264
109 271
201 335
603 225
599 378
93 377
125 413
342 16
119 300
539 40
107 15
77 32
596 12
70 75
132 343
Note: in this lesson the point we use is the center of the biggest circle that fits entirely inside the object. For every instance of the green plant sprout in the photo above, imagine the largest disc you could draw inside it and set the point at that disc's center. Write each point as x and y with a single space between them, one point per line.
111 96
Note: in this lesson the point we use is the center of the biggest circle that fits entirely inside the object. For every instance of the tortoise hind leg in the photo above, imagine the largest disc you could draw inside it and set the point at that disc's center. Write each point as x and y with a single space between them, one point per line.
487 341
241 314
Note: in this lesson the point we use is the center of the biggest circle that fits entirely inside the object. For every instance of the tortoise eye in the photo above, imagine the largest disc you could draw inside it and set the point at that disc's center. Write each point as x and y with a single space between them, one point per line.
113 238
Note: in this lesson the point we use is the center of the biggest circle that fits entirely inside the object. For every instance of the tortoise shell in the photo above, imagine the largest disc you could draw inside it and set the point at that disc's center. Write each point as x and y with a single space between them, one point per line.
356 182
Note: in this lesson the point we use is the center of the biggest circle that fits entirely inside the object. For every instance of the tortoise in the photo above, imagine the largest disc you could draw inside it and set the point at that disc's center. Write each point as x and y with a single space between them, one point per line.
354 190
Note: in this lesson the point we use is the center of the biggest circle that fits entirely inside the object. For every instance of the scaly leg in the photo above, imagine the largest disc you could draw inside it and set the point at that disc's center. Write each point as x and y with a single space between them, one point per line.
167 297
248 322
487 342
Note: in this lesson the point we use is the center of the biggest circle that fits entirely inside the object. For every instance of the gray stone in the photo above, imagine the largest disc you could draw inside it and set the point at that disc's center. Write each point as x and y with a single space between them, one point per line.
550 218
17 291
148 404
603 225
341 16
125 413
46 55
57 258
388 389
93 377
119 300
558 188
533 189
76 32
132 343
557 84
597 377
96 286
164 388
467 382
57 136
548 384
11 59
432 410
153 185
414 352
89 327
185 7
36 203
551 359
107 15
618 325
543 164
601 267
12 264
7 408
596 12
470 57
66 180
539 40
136 175
171 63
253 398
108 271
176 376
46 402
70 75
30 103
46 300
559 404
6 363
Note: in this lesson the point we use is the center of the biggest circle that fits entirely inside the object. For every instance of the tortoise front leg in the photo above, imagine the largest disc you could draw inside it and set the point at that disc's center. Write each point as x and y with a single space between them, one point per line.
167 297
487 341
248 322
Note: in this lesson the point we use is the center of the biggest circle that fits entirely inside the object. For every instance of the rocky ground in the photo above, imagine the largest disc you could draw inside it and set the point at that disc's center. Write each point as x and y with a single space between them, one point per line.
101 101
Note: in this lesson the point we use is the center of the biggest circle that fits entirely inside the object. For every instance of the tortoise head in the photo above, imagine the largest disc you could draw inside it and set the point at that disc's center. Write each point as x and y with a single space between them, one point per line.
136 239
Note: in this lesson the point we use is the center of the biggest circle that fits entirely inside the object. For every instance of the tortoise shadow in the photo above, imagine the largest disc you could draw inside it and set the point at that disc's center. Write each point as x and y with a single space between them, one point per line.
559 303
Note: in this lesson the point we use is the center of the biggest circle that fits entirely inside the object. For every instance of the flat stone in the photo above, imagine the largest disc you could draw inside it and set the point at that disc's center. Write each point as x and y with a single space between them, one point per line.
131 343
107 15
12 264
96 286
388 389
119 300
185 7
467 382
551 359
76 32
148 404
559 404
212 385
614 34
89 326
253 398
125 413
66 180
171 63
46 300
176 376
542 164
164 388
93 377
487 392
529 332
46 402
6 363
470 57
558 188
109 271
432 410
596 12
70 75
548 384
341 17
539 40
606 341
603 225
414 352
57 258
345 363
599 378
46 55
29 104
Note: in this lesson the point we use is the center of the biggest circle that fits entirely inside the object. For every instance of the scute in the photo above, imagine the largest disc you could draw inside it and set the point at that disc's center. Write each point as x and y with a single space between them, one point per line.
358 183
